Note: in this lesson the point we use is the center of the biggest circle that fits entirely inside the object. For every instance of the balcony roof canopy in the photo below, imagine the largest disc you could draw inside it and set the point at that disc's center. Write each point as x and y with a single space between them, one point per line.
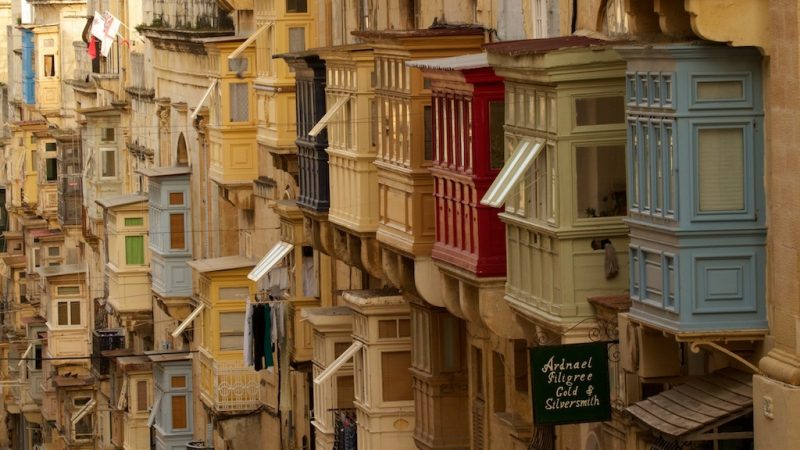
121 200
685 412
222 263
154 172
461 62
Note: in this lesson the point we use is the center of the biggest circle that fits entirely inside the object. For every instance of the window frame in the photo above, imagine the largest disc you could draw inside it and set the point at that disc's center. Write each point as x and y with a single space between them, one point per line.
103 162
70 322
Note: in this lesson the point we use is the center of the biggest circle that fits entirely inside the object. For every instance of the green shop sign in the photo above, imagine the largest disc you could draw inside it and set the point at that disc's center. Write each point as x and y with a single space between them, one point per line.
570 383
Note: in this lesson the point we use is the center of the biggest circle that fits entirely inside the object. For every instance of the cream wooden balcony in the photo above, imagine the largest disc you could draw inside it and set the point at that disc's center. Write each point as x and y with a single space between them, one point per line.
228 386
48 199
129 290
67 342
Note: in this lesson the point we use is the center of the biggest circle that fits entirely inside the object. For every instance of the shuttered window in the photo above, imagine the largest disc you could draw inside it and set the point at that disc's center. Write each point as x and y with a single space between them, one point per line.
141 395
179 419
396 376
239 102
177 235
134 250
721 169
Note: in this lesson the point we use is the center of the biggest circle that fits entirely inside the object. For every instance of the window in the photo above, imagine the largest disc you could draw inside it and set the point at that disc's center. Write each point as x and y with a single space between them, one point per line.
107 134
297 39
175 198
134 250
540 19
393 329
84 428
141 395
498 383
34 161
600 180
53 251
231 334
238 65
497 118
721 169
296 6
521 366
234 293
108 160
428 124
37 357
599 111
396 376
177 235
239 102
69 312
451 344
68 290
177 381
51 173
49 66
134 221
179 412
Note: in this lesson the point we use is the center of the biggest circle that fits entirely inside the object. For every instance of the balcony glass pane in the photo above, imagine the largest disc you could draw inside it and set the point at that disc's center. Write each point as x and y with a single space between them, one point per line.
601 181
179 419
396 377
721 169
599 111
496 121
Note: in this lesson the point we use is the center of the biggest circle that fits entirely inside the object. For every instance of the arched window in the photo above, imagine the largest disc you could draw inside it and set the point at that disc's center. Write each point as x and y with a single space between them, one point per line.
183 154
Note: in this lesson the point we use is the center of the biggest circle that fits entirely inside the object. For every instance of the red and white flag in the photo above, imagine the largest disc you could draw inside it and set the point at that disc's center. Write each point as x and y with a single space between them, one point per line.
105 28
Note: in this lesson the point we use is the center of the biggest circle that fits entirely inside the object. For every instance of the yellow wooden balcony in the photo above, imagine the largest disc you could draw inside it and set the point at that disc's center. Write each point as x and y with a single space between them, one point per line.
352 139
404 131
129 290
228 386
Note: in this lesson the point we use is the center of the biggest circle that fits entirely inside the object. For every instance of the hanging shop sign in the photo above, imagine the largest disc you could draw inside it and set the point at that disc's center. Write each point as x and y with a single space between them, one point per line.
570 383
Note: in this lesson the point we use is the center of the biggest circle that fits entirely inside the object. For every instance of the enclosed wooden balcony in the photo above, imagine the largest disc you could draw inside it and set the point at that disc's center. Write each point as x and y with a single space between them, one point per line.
695 159
228 386
352 138
562 183
312 138
232 126
468 115
405 130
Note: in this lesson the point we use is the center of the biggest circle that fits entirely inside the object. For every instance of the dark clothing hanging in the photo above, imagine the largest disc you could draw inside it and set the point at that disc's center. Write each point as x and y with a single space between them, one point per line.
262 332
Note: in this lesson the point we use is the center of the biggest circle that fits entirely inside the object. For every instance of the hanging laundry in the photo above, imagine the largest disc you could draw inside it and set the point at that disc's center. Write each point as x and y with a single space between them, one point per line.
247 348
262 332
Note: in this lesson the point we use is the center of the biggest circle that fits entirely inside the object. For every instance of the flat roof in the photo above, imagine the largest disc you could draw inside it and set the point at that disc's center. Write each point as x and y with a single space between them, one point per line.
540 46
121 200
222 263
54 271
153 172
461 62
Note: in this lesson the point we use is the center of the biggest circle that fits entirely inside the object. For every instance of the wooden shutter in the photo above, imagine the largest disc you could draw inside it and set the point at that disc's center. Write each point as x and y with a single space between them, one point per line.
134 250
141 395
177 236
396 376
75 313
721 169
179 420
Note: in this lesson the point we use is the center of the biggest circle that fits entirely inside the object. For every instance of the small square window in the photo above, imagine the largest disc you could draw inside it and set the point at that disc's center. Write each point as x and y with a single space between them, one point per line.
178 381
176 198
107 134
296 6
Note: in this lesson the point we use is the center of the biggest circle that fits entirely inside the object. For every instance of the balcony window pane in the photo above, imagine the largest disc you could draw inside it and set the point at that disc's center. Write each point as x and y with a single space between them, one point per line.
599 111
179 419
721 169
177 382
231 327
134 221
297 39
177 234
646 165
49 66
498 383
51 173
296 6
239 102
134 250
63 313
720 90
109 163
176 198
428 123
75 313
396 376
496 120
141 395
107 134
601 181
